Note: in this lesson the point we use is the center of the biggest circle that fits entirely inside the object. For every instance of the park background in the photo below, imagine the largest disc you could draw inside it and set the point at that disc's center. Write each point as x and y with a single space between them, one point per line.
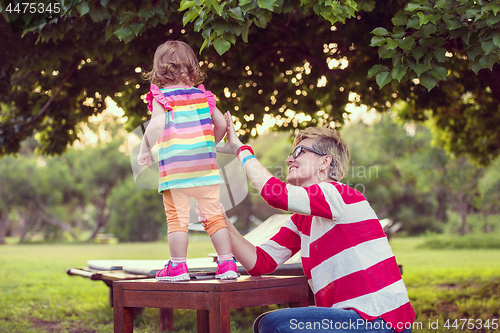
412 91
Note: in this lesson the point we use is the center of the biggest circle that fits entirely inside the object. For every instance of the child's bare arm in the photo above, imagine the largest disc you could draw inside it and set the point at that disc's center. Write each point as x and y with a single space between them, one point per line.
152 134
220 125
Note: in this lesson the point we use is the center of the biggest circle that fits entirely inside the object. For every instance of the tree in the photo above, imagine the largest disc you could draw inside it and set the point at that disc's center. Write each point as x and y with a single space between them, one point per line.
51 193
137 215
309 62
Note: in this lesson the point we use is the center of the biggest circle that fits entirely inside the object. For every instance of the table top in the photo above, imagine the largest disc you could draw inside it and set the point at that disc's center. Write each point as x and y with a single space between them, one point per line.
240 283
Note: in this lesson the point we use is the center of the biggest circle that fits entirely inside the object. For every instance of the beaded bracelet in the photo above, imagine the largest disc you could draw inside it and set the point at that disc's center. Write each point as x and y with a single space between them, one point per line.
244 147
246 159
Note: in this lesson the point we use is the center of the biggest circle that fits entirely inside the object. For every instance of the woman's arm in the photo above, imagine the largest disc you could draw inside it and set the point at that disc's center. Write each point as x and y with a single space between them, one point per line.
244 251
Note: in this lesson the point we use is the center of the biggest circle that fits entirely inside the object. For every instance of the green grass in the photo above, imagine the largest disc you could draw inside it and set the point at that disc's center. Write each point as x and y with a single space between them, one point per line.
36 294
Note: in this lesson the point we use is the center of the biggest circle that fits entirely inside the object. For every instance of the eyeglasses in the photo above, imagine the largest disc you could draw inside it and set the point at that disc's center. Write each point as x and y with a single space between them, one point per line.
301 149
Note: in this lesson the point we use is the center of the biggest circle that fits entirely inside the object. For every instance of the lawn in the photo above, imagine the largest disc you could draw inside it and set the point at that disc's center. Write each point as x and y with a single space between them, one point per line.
447 288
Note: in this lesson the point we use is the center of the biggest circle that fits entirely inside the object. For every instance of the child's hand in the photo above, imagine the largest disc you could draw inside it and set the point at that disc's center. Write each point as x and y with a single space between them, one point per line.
203 219
145 159
233 142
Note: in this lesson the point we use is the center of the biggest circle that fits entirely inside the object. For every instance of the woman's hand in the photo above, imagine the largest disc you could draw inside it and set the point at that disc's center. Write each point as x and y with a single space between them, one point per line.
233 142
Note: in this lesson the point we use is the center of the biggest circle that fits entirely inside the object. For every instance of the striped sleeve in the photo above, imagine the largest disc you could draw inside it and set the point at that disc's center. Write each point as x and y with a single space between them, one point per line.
276 251
323 200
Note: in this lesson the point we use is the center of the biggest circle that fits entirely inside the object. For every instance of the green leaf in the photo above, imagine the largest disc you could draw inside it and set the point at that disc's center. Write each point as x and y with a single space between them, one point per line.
495 7
218 8
407 43
374 70
383 78
189 16
260 21
380 32
146 13
412 6
248 7
236 13
441 4
414 22
230 37
123 32
421 68
491 20
424 19
436 18
186 4
400 19
418 52
496 39
398 32
377 41
206 32
428 81
126 16
392 43
398 73
267 4
221 45
440 54
245 27
487 46
205 43
384 52
454 23
244 2
198 24
488 61
83 8
475 66
473 51
428 29
220 27
136 28
439 72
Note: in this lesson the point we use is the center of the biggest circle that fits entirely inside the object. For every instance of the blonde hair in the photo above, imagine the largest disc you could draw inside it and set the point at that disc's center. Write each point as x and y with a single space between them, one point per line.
329 142
175 63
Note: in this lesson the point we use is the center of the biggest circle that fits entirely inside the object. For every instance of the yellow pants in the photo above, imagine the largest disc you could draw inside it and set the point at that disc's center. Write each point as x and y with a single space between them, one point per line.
177 206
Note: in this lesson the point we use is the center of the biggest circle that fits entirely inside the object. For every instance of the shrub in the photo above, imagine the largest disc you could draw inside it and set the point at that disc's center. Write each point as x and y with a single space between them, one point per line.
136 214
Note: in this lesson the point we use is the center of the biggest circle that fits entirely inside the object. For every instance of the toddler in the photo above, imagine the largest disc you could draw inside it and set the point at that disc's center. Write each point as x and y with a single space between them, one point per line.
187 126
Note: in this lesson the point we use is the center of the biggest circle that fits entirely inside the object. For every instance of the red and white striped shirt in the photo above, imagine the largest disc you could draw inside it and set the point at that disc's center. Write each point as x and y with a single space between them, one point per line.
345 253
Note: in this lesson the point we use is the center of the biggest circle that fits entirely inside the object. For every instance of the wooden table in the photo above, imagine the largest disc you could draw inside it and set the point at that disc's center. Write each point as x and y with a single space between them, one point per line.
213 299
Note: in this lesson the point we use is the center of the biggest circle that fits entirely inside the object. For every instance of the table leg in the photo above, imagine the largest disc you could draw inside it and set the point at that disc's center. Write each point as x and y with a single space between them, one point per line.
202 324
122 316
166 320
214 320
123 322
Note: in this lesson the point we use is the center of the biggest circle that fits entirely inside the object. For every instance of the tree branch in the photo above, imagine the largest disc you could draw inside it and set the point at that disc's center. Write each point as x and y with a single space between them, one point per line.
63 82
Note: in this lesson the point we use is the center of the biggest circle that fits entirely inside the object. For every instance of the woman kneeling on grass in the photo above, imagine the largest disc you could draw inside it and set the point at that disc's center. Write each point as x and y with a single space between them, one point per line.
346 256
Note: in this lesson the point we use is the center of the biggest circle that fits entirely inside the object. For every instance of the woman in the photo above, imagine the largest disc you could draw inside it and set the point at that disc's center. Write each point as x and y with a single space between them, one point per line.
346 256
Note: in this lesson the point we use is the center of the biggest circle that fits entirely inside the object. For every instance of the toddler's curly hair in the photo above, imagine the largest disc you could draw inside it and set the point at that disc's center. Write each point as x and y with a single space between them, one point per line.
175 63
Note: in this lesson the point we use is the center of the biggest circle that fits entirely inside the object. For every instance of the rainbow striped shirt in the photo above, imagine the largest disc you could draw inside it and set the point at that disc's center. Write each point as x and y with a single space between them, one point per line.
186 148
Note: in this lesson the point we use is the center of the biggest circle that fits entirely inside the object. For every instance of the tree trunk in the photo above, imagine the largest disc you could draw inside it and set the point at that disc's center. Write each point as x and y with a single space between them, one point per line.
64 226
4 220
463 209
464 226
102 214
